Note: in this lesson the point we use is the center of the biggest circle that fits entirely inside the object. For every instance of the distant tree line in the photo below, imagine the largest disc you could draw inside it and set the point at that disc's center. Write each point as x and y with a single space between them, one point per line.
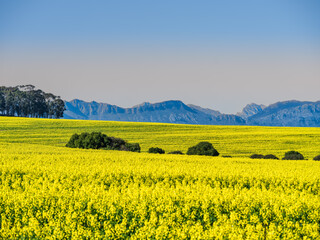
27 101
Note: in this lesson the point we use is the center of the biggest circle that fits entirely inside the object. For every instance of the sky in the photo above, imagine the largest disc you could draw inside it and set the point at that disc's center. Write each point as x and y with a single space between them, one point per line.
219 54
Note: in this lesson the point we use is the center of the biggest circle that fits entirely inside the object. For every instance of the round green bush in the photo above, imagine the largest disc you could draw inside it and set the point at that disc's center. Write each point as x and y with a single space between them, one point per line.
270 156
257 156
156 150
293 155
317 158
203 148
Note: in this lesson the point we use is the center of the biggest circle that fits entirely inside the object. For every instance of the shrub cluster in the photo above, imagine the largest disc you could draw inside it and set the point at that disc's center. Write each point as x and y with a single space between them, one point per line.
260 156
270 156
97 140
203 148
317 158
133 147
293 155
156 150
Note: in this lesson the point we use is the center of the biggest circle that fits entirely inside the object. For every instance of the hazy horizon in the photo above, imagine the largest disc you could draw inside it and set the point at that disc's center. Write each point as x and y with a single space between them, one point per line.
218 55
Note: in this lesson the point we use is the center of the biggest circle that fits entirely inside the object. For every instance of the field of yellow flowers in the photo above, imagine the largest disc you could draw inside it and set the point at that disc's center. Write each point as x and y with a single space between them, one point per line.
48 191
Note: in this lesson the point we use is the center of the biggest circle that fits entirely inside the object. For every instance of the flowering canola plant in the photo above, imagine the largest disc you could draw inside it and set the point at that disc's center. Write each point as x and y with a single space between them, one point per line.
48 191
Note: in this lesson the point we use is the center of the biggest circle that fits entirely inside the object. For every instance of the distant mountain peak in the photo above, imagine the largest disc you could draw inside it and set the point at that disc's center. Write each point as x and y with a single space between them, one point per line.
142 105
250 110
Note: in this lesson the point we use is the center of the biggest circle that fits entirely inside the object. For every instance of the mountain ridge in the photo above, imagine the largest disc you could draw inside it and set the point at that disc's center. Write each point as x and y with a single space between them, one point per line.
172 111
286 113
291 113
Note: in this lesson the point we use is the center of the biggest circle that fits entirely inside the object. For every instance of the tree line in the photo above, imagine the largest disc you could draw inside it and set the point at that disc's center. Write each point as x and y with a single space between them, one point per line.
27 101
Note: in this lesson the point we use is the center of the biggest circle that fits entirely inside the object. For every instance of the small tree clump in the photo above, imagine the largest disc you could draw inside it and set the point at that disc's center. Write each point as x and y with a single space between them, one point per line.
176 152
293 155
72 141
270 156
203 148
156 150
317 158
133 147
116 144
257 156
97 140
94 140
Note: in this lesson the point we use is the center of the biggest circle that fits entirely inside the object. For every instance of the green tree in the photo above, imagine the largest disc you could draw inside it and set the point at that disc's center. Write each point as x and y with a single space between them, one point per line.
293 155
203 148
156 150
2 102
58 108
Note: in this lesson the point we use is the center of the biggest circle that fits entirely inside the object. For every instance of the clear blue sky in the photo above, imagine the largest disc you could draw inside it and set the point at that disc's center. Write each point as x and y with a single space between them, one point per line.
128 22
157 32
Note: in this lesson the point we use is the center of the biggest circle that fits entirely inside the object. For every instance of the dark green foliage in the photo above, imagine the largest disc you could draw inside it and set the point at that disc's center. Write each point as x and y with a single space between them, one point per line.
133 147
293 155
260 156
97 140
156 150
2 102
176 152
116 143
73 141
203 148
94 140
257 156
317 158
58 107
27 101
270 156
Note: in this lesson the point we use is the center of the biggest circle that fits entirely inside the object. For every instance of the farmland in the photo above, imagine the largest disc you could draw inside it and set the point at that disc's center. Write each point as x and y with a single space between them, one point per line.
50 191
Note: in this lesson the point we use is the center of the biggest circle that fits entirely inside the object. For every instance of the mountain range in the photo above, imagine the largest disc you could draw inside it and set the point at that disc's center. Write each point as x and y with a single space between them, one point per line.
288 113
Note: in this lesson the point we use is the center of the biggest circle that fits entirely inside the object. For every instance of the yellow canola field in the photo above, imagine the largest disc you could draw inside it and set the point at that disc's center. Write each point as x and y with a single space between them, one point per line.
48 191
